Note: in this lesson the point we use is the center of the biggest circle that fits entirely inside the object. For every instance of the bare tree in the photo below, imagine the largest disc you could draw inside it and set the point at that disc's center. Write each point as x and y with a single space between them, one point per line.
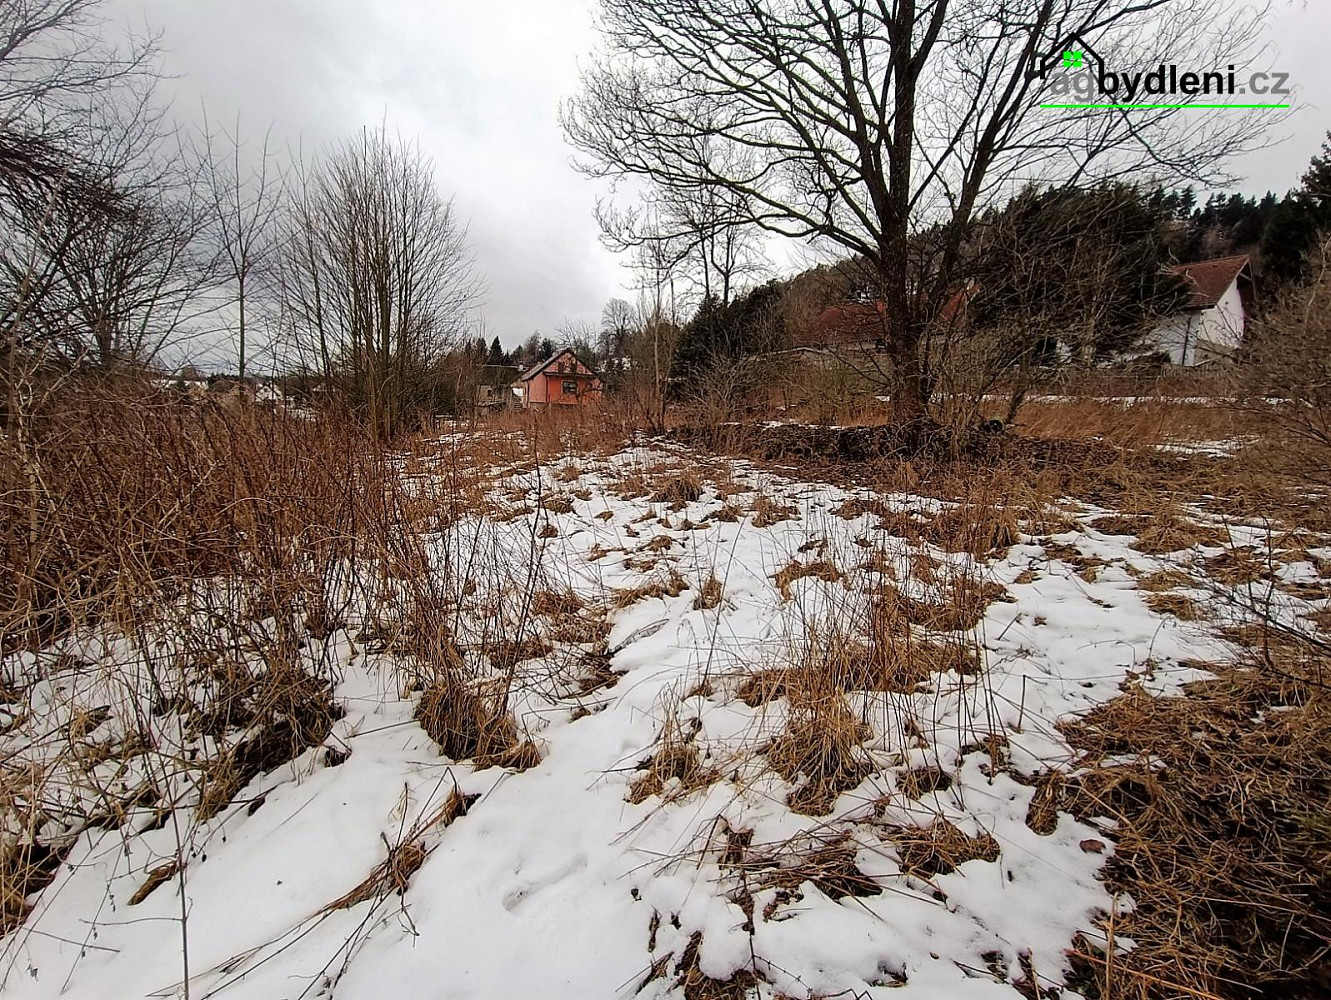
708 229
657 329
244 196
616 325
376 278
859 124
112 279
57 60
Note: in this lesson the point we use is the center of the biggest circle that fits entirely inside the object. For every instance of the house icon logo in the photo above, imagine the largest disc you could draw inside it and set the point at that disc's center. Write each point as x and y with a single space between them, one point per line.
1073 54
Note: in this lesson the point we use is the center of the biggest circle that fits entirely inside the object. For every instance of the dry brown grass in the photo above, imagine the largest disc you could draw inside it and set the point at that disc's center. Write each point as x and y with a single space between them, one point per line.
675 769
1222 836
767 512
962 602
1165 579
697 985
470 725
820 569
392 875
156 877
982 530
671 586
25 868
1183 608
682 488
820 749
287 715
939 848
709 595
828 863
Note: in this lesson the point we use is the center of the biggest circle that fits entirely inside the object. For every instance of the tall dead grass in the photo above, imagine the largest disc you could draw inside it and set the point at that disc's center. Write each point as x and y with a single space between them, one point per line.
201 569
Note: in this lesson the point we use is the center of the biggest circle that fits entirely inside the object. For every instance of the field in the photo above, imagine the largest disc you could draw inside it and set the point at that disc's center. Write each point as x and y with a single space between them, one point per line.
549 708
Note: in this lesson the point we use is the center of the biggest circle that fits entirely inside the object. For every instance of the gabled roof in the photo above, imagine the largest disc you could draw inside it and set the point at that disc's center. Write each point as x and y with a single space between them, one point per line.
541 366
1208 280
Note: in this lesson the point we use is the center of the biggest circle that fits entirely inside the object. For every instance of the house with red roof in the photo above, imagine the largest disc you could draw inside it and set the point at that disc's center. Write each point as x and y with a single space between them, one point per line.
560 380
1210 325
862 325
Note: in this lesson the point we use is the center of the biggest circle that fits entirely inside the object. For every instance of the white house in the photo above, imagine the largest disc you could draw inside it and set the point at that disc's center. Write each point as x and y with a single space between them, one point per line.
1210 325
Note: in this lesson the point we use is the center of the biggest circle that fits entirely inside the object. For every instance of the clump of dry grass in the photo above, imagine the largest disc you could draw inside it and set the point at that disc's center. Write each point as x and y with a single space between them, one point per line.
671 586
557 504
1236 566
1160 533
25 867
393 874
1165 579
962 603
828 863
556 604
821 569
709 595
727 512
697 985
156 877
683 488
980 529
767 512
1170 534
470 725
1042 813
820 751
921 781
860 506
658 544
1087 567
939 848
675 770
506 653
293 711
1183 608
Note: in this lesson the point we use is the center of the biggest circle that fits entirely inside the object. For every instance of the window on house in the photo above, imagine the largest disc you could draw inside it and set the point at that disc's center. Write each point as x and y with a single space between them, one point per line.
570 387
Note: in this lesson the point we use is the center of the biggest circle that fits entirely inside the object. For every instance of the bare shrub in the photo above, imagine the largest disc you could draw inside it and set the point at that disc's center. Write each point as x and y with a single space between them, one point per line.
1286 381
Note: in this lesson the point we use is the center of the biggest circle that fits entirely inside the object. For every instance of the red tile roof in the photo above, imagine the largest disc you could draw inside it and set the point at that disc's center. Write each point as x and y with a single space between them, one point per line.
851 323
1208 280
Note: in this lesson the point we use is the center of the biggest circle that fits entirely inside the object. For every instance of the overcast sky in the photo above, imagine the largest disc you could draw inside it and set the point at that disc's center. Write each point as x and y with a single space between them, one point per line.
479 83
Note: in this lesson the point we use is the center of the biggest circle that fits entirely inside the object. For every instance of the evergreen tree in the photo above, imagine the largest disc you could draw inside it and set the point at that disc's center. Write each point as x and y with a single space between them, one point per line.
719 333
1084 267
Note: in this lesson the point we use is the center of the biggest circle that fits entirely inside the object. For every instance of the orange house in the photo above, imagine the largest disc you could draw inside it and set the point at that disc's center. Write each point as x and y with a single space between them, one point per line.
560 380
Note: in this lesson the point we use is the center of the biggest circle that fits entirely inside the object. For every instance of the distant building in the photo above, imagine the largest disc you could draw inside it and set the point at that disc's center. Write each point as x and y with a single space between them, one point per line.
497 389
1210 325
862 325
560 380
850 324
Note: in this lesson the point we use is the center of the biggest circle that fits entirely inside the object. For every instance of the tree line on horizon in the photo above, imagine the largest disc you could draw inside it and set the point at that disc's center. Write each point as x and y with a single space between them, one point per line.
127 240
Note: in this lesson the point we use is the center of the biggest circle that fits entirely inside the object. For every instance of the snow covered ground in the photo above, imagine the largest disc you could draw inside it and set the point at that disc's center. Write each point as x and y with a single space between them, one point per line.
605 870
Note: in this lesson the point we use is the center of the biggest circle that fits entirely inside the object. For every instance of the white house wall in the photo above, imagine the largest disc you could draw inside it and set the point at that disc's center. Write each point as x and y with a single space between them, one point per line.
1222 327
1199 335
